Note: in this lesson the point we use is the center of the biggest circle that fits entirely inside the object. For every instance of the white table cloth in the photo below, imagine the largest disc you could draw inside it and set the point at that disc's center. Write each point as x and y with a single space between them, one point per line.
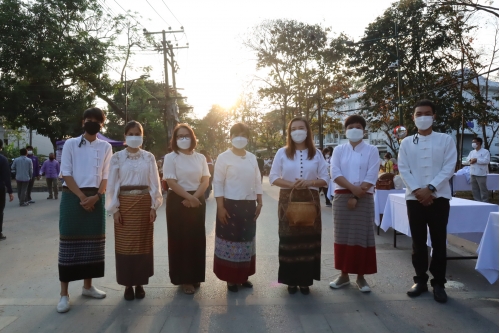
380 198
460 183
487 261
466 216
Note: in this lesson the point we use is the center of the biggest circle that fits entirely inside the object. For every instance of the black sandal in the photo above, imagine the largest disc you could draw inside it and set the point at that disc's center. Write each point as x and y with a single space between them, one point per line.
232 287
292 289
304 290
247 284
129 294
139 292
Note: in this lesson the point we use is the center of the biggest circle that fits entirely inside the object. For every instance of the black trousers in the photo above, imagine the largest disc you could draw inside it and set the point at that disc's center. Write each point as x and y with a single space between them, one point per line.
30 188
435 217
325 192
2 206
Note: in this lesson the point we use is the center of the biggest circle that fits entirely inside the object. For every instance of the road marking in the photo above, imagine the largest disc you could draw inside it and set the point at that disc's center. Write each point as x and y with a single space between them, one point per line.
6 321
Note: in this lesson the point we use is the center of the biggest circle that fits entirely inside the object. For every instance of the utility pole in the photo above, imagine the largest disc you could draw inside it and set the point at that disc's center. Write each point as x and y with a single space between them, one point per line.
126 100
320 122
400 103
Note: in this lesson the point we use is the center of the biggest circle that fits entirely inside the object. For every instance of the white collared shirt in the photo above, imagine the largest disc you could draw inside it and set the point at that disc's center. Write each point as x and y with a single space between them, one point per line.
87 164
430 161
186 169
299 168
237 177
357 165
480 168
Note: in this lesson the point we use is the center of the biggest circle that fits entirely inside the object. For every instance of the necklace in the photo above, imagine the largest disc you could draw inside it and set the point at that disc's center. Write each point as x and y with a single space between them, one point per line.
134 156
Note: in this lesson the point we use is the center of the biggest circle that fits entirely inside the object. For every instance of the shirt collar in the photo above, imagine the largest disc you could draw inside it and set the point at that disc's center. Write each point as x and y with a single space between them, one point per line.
359 146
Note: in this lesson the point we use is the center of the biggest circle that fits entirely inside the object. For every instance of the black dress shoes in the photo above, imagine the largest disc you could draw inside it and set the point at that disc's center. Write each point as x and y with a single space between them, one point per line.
417 289
440 295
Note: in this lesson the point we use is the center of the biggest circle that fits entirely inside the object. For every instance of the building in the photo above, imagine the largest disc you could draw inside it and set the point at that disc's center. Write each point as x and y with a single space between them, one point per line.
21 139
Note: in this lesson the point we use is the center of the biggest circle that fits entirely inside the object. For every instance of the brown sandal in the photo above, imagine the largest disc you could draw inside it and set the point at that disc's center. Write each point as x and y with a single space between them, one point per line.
188 289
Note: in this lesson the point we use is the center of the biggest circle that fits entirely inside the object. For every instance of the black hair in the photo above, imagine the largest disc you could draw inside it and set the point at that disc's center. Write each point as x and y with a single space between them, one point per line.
479 140
23 151
426 102
95 113
1 143
388 155
355 119
240 128
259 155
132 124
29 147
330 148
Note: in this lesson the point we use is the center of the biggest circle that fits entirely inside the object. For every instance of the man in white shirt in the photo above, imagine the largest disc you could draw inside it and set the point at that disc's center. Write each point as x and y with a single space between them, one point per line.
479 159
426 163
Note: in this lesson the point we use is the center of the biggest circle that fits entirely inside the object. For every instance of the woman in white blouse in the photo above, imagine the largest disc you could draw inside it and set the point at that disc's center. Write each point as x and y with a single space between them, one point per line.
133 196
238 191
354 170
187 176
301 167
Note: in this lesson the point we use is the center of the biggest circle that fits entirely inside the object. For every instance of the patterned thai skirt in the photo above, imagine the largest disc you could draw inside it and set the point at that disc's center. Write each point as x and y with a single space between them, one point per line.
186 240
354 247
134 238
234 259
299 247
82 237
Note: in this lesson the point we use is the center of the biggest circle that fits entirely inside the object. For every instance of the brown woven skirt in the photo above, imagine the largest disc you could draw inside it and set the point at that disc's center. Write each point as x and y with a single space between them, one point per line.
300 247
134 241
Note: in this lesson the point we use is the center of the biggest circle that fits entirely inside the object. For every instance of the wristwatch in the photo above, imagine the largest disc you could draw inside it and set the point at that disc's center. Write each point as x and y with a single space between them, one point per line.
432 188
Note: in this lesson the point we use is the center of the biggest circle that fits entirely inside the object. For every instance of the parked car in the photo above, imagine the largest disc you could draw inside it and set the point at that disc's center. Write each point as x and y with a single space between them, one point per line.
494 163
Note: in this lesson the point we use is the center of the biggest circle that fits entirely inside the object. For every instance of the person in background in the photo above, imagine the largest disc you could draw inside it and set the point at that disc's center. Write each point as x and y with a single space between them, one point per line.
388 163
353 205
24 173
50 169
260 163
210 163
327 156
36 173
299 169
187 176
4 183
479 159
426 163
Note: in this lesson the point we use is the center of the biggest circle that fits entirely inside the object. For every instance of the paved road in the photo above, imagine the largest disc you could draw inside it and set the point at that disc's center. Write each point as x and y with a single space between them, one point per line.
29 288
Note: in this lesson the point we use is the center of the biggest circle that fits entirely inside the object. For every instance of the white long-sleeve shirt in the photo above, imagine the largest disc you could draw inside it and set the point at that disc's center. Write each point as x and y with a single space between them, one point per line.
132 169
87 164
480 168
186 169
237 177
430 161
357 165
299 168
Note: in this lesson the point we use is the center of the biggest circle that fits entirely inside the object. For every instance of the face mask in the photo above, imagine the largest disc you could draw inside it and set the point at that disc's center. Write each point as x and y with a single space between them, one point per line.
239 142
184 143
354 134
91 127
299 136
133 141
424 122
30 152
474 145
327 156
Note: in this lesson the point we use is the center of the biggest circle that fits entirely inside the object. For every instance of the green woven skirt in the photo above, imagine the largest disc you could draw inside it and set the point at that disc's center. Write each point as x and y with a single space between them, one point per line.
82 238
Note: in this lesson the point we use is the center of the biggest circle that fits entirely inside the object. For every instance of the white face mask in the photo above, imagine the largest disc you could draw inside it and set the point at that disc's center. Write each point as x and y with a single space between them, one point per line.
184 143
327 156
354 134
474 145
424 122
30 152
239 142
133 141
299 136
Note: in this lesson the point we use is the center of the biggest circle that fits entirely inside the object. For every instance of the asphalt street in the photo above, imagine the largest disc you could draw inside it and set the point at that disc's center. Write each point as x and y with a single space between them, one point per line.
29 287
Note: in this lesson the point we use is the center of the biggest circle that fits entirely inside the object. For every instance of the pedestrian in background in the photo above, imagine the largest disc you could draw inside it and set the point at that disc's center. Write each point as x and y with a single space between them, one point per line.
327 155
210 163
388 163
187 175
36 173
50 169
354 170
4 183
82 217
300 170
133 196
479 159
426 163
24 173
260 163
238 191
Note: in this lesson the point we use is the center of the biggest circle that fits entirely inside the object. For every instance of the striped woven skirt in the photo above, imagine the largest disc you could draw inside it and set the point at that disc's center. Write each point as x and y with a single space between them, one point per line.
234 259
82 237
134 240
186 240
354 238
299 247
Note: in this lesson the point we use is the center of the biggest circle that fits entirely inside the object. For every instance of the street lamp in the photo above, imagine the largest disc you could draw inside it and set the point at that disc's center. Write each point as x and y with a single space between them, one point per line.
142 77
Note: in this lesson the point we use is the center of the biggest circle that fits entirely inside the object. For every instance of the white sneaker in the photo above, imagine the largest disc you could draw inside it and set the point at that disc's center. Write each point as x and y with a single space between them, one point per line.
63 305
363 286
339 282
93 292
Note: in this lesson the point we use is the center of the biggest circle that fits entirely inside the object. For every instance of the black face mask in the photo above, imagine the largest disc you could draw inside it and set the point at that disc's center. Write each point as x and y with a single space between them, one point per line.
91 127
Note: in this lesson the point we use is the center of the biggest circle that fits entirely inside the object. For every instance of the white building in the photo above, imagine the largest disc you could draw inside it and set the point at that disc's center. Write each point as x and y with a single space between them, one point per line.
22 139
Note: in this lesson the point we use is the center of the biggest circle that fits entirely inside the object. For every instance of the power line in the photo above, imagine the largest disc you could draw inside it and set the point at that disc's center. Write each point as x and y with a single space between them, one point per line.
126 12
157 13
172 13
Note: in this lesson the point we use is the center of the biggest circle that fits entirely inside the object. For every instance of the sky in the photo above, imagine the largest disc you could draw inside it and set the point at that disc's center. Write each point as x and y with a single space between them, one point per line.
217 68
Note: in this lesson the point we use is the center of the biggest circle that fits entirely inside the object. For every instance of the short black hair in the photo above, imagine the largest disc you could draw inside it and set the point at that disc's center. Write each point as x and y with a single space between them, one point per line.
479 140
23 151
240 128
425 102
388 155
355 119
95 113
29 147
